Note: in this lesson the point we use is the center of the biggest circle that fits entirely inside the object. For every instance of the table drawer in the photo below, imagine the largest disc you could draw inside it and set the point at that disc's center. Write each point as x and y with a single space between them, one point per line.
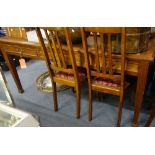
16 32
21 51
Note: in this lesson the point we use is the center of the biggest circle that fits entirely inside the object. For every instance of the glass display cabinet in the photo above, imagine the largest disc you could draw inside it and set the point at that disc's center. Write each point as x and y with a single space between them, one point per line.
9 115
5 95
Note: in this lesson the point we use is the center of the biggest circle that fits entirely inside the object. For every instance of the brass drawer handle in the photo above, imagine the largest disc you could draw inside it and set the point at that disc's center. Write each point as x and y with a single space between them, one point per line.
20 51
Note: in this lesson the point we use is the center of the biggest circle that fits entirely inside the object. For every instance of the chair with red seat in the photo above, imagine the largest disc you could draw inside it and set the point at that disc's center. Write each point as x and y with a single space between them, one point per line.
107 75
60 69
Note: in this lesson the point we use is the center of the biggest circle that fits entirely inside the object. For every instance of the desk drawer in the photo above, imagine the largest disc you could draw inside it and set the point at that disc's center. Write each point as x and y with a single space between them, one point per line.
21 51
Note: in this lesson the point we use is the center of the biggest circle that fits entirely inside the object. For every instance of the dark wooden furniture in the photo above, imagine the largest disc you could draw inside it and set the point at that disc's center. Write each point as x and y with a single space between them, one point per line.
137 64
103 77
150 119
59 70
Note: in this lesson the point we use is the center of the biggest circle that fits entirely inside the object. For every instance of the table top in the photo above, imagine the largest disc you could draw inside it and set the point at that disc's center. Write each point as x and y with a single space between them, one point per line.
148 55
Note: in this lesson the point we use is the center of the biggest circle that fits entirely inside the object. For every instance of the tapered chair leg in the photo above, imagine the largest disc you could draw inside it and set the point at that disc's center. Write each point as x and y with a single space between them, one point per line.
149 121
90 105
120 111
78 104
55 96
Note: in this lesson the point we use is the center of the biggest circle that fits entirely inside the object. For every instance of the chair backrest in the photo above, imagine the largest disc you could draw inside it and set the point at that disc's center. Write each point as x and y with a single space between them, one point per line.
54 52
104 60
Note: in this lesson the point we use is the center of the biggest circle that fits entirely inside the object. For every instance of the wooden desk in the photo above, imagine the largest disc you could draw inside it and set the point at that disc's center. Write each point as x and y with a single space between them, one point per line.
137 64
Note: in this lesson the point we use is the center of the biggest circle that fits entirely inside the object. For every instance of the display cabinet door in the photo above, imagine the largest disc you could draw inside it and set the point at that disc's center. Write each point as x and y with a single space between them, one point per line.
5 95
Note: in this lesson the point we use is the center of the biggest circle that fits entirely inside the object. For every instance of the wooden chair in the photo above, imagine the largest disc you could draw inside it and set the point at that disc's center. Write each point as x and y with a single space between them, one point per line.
57 63
102 77
150 119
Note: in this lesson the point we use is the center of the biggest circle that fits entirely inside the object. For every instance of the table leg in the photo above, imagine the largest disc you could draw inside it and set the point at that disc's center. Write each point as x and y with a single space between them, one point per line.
141 82
152 116
13 71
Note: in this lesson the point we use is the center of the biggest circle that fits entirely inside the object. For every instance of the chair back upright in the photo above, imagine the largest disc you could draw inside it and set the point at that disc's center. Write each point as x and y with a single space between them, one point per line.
52 47
104 59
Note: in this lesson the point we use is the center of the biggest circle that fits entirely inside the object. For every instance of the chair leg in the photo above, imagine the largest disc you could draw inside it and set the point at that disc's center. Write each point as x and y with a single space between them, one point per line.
149 121
55 96
78 104
120 111
90 105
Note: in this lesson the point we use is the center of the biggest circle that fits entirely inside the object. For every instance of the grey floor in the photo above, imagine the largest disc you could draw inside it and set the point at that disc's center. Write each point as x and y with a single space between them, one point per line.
40 104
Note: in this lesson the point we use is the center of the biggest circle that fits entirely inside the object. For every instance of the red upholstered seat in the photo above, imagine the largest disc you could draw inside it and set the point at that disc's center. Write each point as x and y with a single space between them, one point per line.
105 82
70 76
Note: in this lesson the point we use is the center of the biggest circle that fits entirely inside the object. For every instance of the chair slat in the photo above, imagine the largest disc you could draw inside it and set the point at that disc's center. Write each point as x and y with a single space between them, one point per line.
55 49
60 50
103 60
50 46
123 46
109 54
96 53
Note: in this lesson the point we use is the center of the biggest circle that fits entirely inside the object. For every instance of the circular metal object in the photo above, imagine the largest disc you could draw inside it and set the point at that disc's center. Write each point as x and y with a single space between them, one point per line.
44 84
